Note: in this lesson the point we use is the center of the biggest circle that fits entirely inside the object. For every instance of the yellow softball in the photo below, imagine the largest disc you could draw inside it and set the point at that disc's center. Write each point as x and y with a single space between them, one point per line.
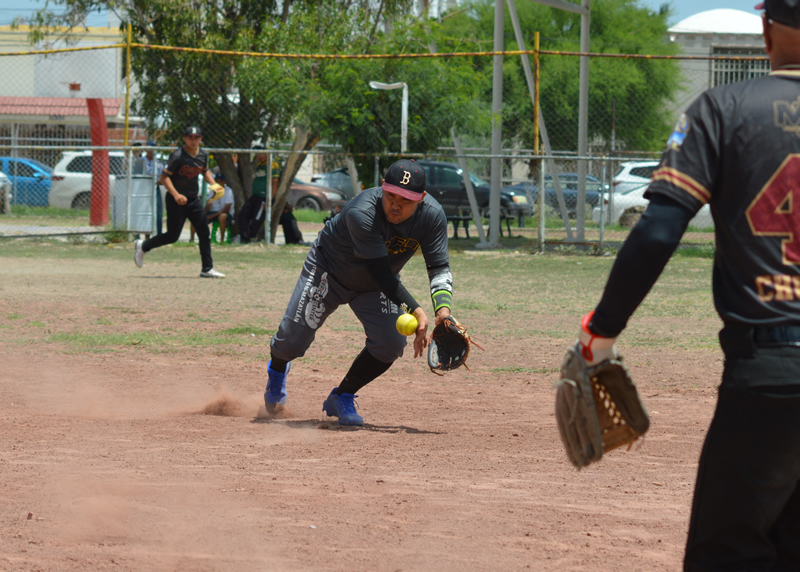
407 324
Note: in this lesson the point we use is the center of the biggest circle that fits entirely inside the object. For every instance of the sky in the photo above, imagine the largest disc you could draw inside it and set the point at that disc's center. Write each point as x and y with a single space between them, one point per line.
10 9
682 9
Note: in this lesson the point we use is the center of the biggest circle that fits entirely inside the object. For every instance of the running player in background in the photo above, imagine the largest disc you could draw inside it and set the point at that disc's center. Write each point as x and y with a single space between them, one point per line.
182 201
738 148
356 260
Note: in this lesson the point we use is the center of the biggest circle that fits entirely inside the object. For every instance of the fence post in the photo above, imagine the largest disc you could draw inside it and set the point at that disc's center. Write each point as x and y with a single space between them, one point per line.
128 154
540 197
602 202
15 156
128 82
268 204
536 93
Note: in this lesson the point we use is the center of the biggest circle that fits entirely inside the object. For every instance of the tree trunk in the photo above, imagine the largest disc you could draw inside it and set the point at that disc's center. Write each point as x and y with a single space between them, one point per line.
304 140
353 171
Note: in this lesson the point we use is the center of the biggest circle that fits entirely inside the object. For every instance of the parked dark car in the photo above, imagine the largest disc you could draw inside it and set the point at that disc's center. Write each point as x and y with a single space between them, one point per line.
314 197
31 179
446 184
338 179
569 188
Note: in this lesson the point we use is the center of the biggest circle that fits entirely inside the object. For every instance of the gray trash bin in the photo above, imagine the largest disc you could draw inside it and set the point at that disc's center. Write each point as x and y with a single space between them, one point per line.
141 199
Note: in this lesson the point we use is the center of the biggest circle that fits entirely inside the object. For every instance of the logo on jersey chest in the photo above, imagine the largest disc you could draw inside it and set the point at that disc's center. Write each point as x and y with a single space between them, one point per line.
787 115
398 244
189 172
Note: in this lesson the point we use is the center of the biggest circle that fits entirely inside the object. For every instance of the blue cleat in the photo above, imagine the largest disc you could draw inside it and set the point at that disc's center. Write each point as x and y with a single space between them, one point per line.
344 407
275 394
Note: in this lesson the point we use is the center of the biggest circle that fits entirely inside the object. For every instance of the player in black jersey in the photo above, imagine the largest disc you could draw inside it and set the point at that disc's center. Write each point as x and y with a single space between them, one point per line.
737 148
183 201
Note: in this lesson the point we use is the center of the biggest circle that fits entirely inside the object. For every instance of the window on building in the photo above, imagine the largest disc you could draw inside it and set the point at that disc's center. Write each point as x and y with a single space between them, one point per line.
732 70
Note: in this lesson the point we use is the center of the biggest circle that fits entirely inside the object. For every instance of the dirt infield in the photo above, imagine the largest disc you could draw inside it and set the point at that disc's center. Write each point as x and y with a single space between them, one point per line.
134 435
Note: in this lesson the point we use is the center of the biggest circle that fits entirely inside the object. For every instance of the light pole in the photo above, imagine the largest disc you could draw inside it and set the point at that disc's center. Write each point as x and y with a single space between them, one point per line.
404 116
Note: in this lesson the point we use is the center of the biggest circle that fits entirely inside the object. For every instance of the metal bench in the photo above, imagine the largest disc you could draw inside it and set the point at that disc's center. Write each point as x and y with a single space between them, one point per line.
459 219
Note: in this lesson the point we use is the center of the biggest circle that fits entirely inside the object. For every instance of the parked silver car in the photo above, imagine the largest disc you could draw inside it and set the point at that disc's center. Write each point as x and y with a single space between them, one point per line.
338 179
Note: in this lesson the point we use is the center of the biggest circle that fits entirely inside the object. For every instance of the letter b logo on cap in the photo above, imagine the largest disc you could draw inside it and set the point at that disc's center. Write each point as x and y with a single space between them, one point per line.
406 178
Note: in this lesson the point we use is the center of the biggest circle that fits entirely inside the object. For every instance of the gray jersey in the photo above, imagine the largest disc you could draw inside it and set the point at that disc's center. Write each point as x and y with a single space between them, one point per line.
361 233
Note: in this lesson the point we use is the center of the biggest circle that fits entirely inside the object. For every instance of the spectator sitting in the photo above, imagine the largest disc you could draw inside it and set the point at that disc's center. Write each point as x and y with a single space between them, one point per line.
291 232
220 210
252 213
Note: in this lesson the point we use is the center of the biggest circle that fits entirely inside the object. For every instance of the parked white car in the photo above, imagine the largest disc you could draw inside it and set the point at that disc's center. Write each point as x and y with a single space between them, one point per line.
634 202
632 174
71 186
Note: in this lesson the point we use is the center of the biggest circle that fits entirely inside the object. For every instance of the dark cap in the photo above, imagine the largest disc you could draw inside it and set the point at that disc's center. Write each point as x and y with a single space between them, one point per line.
192 131
405 178
151 143
786 12
219 177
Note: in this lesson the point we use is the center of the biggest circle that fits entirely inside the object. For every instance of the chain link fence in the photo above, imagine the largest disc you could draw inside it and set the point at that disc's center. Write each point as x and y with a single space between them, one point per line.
352 132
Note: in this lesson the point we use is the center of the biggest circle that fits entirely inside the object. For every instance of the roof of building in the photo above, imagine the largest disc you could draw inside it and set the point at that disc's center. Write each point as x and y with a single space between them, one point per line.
721 21
59 106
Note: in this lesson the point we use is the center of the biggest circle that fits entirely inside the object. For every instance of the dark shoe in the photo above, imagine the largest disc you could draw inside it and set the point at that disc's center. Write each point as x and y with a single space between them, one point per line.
275 394
344 407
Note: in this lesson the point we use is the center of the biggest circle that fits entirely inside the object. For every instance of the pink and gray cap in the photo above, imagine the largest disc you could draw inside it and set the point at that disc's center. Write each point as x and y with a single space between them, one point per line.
406 179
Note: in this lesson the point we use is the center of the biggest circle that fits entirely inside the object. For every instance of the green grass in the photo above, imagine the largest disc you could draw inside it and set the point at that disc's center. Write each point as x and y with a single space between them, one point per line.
246 256
512 294
162 341
248 330
307 215
698 251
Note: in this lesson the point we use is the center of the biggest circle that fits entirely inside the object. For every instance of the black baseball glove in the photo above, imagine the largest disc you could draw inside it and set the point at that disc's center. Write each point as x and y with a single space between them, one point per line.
449 347
597 408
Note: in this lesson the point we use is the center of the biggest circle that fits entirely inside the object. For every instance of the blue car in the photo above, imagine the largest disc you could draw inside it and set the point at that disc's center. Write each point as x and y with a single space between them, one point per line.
30 180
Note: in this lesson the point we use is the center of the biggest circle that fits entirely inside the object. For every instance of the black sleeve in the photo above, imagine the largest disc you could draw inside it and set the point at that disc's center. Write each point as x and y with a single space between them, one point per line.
639 263
381 271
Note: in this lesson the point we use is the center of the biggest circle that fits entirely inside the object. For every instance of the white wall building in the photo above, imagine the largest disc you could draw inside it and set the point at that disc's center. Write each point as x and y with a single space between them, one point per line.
720 32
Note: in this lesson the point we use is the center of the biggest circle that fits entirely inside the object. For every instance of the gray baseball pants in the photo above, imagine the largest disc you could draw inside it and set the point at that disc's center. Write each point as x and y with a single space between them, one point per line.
316 296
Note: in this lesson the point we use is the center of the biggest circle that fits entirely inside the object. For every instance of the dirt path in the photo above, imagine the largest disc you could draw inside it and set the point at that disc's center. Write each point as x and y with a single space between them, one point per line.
140 460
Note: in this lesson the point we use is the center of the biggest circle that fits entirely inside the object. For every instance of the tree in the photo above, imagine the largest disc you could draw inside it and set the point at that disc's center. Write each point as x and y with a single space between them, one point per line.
238 99
639 90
